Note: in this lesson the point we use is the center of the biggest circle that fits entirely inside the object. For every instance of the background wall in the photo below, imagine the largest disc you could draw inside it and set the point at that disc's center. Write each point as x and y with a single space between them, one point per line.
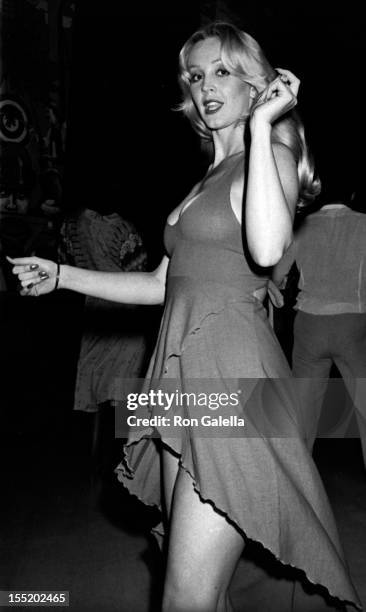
96 82
128 149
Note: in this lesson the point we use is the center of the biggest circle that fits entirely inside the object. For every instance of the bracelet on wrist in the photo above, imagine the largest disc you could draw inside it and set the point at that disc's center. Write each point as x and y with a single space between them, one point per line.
57 276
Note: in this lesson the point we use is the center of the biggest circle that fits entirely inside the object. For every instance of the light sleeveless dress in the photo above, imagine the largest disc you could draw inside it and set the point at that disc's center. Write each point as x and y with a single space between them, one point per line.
214 332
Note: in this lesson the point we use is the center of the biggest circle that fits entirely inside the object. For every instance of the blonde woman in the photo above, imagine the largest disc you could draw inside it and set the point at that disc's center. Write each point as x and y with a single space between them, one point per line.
224 493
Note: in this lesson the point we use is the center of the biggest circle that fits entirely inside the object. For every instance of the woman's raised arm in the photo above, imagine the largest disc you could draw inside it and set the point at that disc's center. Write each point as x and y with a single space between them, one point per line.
39 276
272 189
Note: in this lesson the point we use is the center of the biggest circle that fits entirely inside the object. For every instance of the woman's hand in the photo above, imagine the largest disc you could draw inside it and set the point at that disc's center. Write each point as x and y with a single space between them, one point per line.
279 97
36 276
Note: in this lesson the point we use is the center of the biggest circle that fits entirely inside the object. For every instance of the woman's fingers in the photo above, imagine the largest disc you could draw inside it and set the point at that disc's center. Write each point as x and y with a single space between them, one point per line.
31 291
285 82
279 95
275 101
26 280
25 292
36 276
290 79
23 274
27 276
34 289
35 265
24 264
30 261
280 86
25 269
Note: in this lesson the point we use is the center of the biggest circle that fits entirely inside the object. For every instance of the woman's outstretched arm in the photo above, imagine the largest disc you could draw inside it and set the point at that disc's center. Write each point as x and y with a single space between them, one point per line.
272 189
39 276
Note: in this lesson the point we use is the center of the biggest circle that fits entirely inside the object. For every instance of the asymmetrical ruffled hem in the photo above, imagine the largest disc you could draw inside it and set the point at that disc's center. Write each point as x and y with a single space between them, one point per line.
339 588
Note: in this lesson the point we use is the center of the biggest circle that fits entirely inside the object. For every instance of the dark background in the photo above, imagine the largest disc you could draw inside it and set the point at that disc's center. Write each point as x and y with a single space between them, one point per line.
127 147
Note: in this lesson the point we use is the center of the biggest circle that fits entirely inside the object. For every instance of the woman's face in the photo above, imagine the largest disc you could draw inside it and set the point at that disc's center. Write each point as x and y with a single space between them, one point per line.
221 98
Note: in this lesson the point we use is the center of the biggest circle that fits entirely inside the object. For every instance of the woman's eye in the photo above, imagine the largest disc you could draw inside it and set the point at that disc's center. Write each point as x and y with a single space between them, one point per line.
194 78
223 72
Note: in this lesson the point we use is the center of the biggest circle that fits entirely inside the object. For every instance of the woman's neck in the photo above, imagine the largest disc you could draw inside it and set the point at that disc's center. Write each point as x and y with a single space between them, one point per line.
226 143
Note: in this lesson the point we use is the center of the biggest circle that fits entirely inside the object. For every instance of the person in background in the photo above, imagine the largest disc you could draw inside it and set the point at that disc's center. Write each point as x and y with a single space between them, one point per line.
330 325
17 179
113 344
227 492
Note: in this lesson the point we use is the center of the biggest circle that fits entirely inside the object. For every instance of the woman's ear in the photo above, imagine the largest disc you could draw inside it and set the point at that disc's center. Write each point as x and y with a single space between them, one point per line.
252 96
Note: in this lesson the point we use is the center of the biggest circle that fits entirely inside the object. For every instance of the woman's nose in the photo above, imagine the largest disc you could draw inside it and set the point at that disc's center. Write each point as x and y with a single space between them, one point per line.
208 84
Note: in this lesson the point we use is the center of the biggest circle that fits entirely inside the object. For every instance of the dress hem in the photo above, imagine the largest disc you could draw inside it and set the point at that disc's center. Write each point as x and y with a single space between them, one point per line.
224 513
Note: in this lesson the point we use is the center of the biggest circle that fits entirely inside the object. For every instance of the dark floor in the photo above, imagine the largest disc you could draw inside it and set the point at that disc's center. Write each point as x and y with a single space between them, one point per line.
65 529
66 522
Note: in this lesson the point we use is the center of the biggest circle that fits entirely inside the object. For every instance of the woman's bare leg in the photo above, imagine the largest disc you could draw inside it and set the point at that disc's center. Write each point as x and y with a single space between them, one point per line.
203 549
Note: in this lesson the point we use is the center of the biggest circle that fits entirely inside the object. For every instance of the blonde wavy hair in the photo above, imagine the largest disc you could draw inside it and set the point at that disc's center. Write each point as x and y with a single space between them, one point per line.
244 58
